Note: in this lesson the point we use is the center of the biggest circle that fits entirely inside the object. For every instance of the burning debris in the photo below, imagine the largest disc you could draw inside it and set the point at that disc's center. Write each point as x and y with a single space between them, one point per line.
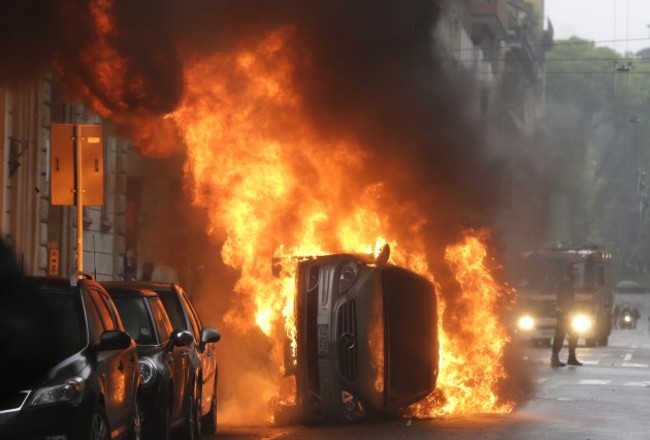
309 128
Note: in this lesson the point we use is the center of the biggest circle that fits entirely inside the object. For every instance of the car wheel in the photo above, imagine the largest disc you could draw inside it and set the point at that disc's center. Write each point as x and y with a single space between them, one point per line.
135 427
198 425
604 340
210 420
164 431
189 431
99 424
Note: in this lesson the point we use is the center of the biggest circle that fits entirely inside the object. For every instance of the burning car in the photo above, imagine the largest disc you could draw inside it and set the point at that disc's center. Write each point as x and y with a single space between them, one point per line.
367 341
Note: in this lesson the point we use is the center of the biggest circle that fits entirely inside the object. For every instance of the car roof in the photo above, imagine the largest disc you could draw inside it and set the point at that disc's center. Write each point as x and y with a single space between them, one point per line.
48 282
150 285
129 291
57 283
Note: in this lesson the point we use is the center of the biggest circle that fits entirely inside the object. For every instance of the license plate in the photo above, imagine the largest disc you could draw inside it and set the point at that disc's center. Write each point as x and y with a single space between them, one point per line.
322 340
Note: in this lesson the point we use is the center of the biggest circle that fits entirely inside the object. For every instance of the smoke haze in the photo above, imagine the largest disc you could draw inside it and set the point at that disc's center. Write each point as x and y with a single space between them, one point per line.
367 68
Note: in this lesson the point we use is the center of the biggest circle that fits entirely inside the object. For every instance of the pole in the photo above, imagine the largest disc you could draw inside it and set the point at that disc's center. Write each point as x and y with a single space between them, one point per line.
79 200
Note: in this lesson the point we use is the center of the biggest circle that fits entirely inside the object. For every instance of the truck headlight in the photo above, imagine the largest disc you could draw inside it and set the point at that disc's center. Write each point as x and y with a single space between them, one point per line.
581 323
348 275
526 323
71 391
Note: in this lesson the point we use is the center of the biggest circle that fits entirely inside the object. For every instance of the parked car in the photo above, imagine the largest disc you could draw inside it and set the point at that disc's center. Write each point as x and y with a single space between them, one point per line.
90 390
367 341
184 317
168 391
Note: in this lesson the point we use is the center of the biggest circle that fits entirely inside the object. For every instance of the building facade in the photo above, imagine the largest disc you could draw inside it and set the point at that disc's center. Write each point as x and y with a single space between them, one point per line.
495 41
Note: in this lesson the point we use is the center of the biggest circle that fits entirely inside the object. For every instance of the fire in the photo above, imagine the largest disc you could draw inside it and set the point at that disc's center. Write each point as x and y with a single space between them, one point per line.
277 186
471 367
277 189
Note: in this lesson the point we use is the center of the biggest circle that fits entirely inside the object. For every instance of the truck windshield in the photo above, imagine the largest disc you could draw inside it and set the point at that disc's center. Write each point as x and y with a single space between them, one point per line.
410 315
540 272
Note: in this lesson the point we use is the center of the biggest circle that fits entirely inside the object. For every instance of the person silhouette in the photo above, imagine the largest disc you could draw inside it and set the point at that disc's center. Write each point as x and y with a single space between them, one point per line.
564 306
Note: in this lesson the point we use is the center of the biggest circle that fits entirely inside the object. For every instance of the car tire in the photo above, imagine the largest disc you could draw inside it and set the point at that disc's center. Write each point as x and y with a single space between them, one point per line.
188 431
135 425
165 430
604 340
99 424
209 423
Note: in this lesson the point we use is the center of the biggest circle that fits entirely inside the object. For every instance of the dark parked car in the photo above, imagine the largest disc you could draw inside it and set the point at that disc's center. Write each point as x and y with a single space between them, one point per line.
90 389
184 317
367 341
168 392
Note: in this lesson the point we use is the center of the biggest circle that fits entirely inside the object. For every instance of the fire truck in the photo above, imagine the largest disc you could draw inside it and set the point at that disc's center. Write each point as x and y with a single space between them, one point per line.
538 276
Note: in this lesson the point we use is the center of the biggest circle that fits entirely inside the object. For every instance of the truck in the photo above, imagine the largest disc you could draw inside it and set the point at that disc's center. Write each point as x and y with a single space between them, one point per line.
538 275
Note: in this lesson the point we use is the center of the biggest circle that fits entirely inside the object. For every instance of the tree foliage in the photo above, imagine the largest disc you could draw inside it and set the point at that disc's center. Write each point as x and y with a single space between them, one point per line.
598 119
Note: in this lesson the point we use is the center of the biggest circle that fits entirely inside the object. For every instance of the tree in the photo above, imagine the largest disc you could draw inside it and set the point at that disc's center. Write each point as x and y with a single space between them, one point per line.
605 97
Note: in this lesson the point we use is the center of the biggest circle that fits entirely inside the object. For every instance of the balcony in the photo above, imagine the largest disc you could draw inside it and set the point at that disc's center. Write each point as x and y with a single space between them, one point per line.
491 16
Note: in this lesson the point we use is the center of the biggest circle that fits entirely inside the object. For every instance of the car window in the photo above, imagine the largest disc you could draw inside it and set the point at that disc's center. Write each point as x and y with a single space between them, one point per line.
111 308
95 326
68 331
161 319
193 320
135 316
102 309
174 309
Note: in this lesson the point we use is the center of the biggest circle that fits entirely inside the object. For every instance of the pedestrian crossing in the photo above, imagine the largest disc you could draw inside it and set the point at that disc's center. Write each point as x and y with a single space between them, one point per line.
626 383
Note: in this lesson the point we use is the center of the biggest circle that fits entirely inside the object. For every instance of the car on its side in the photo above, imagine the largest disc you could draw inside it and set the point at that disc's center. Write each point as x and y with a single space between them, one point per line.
184 316
367 338
91 388
168 391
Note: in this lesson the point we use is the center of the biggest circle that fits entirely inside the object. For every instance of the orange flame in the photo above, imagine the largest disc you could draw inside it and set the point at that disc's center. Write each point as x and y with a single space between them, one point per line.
271 182
277 186
471 365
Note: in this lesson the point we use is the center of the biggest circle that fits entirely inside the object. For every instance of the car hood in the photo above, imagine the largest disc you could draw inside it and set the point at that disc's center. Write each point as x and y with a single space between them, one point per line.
75 365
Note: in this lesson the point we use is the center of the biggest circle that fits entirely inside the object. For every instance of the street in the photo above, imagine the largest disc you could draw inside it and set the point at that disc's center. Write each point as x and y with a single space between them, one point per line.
606 399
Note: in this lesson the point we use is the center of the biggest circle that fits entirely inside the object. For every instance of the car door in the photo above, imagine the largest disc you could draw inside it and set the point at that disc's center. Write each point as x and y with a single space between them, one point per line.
206 356
117 366
177 357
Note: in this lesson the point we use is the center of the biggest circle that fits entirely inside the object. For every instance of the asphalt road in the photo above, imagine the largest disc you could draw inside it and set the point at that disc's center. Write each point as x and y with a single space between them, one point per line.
606 399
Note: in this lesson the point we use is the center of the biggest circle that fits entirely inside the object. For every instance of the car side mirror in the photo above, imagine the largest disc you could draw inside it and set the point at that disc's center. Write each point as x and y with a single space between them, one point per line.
209 335
181 338
114 340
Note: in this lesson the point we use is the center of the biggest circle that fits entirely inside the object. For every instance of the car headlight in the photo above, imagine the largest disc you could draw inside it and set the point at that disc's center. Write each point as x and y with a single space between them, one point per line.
71 391
581 323
526 323
348 275
148 370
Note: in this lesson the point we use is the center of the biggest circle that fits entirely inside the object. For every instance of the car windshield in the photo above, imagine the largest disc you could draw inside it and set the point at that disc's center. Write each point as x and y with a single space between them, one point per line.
410 314
68 329
135 317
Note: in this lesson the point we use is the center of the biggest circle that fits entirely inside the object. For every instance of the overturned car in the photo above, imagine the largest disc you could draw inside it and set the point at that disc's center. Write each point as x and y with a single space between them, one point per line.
367 341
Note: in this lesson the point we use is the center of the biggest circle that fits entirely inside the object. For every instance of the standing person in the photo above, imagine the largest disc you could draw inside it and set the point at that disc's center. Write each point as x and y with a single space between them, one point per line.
617 314
635 317
565 304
